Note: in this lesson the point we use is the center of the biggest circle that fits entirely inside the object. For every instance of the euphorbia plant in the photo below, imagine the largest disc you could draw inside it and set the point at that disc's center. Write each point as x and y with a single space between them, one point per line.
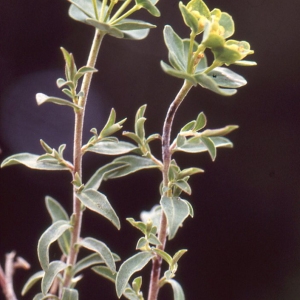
209 31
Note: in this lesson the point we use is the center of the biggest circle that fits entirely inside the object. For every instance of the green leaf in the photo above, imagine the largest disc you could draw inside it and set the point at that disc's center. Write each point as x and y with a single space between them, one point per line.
212 150
138 224
137 284
164 255
102 174
208 82
42 98
176 73
227 22
130 24
106 28
189 172
98 202
90 260
226 78
138 34
142 242
220 131
200 122
132 164
147 4
189 126
40 296
176 211
101 249
177 289
191 210
47 238
199 6
129 267
31 161
31 281
50 274
57 213
196 145
177 256
140 112
189 19
111 147
69 294
245 63
139 128
80 10
183 185
152 239
105 272
175 46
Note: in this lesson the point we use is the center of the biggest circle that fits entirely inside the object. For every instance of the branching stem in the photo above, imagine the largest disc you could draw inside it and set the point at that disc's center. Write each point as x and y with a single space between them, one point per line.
166 155
77 154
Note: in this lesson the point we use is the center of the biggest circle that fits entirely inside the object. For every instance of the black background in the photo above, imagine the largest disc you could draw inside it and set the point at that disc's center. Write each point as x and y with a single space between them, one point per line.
244 240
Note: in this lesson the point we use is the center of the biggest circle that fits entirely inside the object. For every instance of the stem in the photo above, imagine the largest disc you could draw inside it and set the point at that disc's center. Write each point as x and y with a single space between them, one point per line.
120 10
77 155
166 155
127 14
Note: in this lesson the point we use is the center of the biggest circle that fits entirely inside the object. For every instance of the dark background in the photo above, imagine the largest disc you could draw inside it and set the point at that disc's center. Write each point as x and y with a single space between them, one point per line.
244 240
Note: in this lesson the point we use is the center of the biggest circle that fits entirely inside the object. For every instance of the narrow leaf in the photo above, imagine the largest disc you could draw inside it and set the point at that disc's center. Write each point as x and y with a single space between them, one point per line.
175 46
142 242
129 267
112 147
164 255
50 274
200 122
147 4
212 150
177 290
106 28
40 296
69 294
207 82
101 249
80 10
177 256
131 164
31 161
47 238
57 213
195 145
31 281
138 34
138 224
184 186
129 24
105 272
176 73
176 211
98 202
219 132
42 98
226 78
90 260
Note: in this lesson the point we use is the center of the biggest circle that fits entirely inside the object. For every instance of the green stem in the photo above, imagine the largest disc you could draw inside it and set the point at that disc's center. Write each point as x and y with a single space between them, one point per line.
127 14
77 155
120 10
190 56
166 154
104 2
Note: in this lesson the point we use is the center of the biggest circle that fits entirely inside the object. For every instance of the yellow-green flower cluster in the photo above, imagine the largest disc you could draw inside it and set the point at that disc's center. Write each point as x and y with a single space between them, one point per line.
216 27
